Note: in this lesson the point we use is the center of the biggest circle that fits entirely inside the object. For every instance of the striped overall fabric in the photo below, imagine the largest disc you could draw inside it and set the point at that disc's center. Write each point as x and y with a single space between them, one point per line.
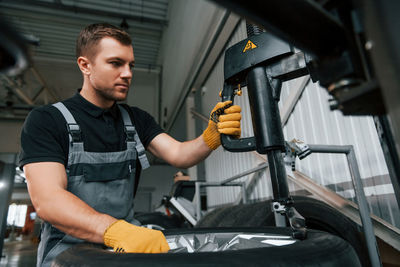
103 180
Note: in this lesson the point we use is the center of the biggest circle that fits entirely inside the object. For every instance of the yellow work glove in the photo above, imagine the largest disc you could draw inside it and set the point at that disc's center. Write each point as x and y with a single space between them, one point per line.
224 119
125 237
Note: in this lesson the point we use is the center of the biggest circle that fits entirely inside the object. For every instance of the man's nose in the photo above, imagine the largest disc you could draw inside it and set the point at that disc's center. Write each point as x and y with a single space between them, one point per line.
126 72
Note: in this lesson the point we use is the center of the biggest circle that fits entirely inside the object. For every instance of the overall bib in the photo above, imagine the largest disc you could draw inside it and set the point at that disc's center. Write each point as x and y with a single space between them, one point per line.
103 180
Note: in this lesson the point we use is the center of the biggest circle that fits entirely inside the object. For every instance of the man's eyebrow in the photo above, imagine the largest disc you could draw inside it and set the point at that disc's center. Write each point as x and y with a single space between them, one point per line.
116 58
120 59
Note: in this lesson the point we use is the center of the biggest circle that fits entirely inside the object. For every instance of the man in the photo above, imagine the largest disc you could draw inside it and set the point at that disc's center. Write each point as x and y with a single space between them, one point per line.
80 155
181 176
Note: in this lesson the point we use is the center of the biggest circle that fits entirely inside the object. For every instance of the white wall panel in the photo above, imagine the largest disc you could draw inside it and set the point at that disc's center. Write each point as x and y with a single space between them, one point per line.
313 123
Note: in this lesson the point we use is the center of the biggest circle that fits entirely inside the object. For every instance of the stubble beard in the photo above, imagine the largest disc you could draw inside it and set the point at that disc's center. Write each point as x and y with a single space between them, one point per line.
108 94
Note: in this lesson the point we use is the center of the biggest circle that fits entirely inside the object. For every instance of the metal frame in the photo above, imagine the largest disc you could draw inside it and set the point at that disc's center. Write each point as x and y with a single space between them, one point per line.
359 193
7 173
198 185
182 210
388 145
226 182
384 230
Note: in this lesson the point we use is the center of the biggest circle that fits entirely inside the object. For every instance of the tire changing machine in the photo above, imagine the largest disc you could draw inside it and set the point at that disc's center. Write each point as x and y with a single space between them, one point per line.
262 63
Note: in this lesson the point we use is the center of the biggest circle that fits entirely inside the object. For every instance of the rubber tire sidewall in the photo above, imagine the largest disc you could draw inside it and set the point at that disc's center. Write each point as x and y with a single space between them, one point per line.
158 218
319 249
318 215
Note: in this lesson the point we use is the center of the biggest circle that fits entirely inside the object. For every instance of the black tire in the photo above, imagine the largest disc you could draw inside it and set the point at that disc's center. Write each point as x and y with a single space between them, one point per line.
319 249
244 215
213 218
321 216
318 215
158 219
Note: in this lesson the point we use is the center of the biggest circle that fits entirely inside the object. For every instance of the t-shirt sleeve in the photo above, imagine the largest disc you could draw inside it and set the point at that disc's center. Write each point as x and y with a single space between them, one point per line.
41 139
146 127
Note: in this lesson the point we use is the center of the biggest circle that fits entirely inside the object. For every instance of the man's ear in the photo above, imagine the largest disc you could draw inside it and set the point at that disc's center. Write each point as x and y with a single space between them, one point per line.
84 65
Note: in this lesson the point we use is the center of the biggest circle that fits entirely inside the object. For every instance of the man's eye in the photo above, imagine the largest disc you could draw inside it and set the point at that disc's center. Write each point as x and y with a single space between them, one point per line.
115 63
131 66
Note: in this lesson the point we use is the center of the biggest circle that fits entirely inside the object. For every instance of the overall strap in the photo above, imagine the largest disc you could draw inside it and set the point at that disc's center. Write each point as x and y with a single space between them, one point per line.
74 131
131 135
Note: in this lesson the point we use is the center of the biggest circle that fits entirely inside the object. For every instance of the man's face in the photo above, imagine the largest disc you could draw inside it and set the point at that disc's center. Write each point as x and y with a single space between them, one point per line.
111 69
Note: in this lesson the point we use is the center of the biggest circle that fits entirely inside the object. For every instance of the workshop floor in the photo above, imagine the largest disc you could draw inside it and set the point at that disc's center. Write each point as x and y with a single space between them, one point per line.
20 253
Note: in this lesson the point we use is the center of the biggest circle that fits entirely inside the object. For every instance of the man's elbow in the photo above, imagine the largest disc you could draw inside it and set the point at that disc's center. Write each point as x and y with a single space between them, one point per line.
39 209
183 163
42 206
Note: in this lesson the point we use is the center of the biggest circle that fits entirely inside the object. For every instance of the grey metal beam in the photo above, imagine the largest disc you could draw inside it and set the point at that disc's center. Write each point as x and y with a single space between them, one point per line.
251 185
364 211
18 91
385 231
199 185
43 83
293 98
260 167
388 145
7 173
91 11
360 195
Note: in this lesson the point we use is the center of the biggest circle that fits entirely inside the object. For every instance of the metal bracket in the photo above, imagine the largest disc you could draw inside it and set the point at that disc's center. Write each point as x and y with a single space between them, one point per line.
296 221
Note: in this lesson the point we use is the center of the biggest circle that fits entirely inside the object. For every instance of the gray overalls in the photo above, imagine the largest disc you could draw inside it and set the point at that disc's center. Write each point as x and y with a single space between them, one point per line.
104 180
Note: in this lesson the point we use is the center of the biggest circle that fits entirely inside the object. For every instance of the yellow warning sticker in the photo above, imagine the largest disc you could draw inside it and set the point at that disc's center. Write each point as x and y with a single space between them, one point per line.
249 46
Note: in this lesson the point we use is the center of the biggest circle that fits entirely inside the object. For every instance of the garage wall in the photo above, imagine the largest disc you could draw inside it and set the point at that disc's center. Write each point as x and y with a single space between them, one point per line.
144 92
155 182
311 122
184 42
10 133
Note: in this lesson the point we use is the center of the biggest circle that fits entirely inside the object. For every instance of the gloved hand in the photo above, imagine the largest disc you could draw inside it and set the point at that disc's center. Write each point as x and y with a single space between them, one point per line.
224 119
125 237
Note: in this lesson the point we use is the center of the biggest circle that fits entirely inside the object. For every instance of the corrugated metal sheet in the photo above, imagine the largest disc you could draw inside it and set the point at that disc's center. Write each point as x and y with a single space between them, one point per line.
311 122
58 23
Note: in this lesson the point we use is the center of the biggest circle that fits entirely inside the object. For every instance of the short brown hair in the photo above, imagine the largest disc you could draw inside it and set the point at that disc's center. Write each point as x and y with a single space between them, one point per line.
91 35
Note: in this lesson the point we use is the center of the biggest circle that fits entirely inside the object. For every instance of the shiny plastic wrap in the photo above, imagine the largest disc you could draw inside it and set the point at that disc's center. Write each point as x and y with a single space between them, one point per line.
211 242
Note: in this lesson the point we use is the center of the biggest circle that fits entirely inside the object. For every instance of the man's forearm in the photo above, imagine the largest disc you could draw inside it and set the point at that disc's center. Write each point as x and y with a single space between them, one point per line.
72 216
192 152
179 154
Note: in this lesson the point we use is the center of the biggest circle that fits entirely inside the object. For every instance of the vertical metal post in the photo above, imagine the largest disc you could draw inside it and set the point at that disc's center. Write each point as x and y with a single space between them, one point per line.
244 194
360 196
7 174
159 107
363 207
198 200
389 152
280 187
278 171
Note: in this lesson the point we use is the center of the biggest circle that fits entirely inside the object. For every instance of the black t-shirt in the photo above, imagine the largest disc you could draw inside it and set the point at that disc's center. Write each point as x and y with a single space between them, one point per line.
44 136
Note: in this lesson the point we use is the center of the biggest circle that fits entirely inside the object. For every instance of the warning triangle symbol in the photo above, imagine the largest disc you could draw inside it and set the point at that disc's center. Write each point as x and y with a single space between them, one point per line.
249 46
